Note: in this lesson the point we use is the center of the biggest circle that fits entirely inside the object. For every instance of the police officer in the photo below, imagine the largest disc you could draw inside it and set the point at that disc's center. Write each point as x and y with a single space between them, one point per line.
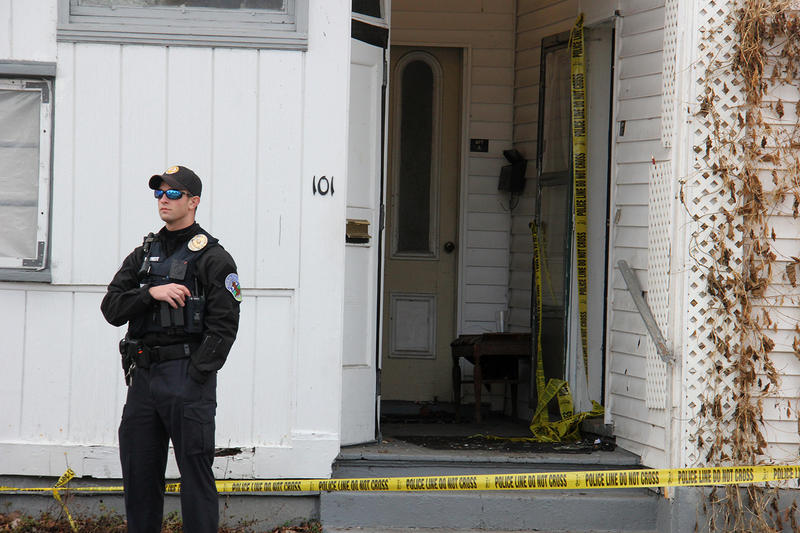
179 293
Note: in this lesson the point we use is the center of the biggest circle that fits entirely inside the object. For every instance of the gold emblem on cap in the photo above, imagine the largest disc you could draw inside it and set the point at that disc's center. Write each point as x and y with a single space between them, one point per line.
172 170
198 242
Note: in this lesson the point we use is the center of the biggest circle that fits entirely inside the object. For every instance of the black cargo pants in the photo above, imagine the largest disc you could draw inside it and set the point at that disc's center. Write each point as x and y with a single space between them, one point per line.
165 403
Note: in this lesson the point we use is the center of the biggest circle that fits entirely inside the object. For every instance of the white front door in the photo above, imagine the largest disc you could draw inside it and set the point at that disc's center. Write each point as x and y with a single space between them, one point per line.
362 255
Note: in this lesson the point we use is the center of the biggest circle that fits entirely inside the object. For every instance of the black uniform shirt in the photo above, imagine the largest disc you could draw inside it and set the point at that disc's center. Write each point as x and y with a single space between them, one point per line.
125 299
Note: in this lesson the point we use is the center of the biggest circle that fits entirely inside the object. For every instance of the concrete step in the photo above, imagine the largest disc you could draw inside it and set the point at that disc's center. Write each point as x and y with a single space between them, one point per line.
364 462
563 511
419 530
629 510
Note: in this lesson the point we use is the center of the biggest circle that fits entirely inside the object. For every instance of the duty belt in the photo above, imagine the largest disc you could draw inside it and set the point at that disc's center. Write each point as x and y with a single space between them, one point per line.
156 354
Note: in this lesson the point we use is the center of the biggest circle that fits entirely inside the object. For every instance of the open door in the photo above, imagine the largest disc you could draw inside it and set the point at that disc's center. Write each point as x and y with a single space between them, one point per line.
422 223
360 356
562 350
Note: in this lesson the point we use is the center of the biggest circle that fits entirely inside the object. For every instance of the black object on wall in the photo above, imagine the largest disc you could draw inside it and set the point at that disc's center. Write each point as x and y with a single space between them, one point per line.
512 177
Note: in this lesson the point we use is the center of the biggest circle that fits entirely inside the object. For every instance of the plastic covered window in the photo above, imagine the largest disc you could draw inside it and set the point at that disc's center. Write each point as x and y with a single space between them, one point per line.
25 129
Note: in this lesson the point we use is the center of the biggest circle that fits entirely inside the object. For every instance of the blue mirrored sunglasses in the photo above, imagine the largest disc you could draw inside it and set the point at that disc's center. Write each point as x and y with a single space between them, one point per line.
172 194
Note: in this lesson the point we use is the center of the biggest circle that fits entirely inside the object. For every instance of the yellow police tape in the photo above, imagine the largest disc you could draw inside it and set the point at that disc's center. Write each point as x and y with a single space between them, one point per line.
579 166
596 479
60 484
567 427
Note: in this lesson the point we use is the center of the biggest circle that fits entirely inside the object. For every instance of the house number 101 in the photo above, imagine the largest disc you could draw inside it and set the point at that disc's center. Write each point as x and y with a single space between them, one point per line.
323 185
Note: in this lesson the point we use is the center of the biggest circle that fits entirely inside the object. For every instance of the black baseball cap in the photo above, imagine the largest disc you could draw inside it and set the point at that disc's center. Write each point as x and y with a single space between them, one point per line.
179 177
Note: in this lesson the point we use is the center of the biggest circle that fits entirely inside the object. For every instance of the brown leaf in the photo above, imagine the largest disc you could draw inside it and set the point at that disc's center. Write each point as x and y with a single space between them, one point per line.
791 273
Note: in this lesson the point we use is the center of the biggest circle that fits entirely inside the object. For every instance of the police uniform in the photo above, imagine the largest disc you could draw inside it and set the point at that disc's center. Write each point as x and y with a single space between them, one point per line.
171 357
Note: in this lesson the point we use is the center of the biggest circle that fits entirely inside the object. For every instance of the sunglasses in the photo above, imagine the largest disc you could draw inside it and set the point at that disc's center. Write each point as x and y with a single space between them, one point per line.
172 194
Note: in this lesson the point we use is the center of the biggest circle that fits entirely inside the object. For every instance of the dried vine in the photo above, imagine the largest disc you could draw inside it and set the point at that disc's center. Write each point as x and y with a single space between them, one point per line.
755 159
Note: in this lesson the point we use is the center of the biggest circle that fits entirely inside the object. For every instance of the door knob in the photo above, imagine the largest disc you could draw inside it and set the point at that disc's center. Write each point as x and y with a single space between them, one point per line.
449 246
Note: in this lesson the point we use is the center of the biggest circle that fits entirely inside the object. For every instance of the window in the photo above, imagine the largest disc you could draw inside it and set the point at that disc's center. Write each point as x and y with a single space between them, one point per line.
26 108
554 204
416 166
246 23
370 8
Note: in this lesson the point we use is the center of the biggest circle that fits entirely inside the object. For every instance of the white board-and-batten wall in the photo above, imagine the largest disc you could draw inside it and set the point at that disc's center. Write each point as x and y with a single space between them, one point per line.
639 28
256 125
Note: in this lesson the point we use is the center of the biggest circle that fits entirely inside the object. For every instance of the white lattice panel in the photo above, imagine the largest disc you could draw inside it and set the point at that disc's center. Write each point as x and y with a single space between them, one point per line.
668 72
658 269
706 202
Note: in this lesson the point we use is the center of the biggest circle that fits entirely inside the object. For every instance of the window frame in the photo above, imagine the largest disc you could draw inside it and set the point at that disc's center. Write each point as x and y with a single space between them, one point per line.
381 22
33 76
192 26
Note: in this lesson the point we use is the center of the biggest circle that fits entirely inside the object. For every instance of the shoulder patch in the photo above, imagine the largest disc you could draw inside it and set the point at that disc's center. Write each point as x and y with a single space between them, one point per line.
232 284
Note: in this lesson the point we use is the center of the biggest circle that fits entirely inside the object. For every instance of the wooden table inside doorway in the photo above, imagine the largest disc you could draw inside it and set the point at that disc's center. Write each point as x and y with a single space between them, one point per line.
496 358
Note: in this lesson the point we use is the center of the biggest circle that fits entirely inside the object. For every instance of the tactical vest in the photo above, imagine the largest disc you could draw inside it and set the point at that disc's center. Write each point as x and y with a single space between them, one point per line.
180 268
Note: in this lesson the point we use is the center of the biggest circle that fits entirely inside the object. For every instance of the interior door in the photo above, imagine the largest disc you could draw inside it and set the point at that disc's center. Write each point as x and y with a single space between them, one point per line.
363 244
422 223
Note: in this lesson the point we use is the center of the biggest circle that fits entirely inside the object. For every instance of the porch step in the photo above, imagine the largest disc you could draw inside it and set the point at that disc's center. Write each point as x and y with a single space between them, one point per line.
629 510
386 460
564 511
417 530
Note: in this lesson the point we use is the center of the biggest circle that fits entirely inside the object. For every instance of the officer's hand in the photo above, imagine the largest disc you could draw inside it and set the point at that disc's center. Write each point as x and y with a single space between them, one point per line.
173 293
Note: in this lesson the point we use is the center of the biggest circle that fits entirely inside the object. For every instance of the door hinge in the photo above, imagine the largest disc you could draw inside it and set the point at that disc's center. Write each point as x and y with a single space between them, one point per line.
382 218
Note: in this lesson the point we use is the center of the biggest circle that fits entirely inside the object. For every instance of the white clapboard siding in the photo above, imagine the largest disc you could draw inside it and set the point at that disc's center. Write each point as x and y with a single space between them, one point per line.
638 102
782 406
486 29
638 428
536 19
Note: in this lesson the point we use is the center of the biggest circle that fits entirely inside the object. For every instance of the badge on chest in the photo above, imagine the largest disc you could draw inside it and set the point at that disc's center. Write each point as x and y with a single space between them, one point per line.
198 242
